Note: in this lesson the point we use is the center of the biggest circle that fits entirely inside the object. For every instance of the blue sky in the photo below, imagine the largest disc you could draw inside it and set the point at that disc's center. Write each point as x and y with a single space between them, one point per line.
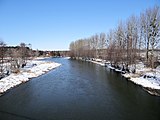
54 24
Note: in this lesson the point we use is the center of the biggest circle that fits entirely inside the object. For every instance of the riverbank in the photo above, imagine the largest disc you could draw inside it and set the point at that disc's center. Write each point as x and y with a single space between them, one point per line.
147 78
32 69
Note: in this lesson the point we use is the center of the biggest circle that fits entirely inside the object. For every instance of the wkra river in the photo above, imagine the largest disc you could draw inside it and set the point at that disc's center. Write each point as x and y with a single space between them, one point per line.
79 91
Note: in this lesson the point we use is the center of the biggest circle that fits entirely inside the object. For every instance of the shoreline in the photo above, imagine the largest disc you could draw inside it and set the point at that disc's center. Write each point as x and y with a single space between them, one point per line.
149 84
33 69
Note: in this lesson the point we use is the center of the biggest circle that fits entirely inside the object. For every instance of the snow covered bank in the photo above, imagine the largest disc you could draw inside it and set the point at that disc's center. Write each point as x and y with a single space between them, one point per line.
100 63
32 69
41 58
147 81
67 57
148 78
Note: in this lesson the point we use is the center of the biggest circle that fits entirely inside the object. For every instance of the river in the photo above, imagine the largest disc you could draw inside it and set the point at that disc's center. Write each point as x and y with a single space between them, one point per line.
79 90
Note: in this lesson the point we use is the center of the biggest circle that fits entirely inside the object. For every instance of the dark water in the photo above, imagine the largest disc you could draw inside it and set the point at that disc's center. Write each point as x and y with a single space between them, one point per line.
79 91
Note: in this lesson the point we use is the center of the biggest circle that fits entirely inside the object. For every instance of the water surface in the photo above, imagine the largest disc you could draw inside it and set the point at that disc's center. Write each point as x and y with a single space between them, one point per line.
79 90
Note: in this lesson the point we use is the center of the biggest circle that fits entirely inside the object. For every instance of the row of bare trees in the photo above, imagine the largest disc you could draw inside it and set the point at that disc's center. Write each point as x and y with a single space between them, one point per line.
125 43
12 58
88 48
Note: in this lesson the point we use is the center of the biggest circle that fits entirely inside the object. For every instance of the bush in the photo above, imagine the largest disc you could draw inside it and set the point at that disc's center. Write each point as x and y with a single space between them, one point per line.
16 71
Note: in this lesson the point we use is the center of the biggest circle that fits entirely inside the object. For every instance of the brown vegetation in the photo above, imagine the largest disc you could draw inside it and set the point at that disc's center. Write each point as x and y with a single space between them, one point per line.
124 44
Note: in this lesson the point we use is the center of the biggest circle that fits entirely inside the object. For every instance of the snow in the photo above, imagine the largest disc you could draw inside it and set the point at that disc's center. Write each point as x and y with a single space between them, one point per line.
40 58
98 60
100 63
147 82
145 77
67 57
149 79
110 67
32 69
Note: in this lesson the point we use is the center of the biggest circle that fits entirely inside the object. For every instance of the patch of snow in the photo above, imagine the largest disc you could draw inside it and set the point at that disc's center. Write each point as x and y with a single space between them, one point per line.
152 81
67 57
32 69
117 70
99 63
110 67
146 77
98 60
147 82
40 58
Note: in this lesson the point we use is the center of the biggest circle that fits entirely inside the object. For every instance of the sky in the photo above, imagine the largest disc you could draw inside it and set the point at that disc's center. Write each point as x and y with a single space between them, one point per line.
54 24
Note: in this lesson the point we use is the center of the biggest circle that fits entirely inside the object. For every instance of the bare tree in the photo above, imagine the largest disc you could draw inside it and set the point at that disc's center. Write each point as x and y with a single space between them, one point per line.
120 43
151 31
23 53
110 46
154 32
2 56
132 37
145 22
102 45
124 44
72 50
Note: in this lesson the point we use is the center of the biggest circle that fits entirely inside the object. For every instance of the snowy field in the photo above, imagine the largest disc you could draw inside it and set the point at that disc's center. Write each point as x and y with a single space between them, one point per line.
32 69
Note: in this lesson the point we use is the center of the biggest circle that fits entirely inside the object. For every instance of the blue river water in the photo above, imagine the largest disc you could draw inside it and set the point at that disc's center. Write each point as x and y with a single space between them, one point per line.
79 90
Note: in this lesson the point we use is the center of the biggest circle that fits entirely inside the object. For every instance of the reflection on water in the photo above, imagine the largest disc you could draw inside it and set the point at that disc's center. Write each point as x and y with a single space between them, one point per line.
79 91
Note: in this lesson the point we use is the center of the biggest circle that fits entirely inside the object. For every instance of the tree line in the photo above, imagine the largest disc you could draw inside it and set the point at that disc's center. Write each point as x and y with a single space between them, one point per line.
13 58
126 43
